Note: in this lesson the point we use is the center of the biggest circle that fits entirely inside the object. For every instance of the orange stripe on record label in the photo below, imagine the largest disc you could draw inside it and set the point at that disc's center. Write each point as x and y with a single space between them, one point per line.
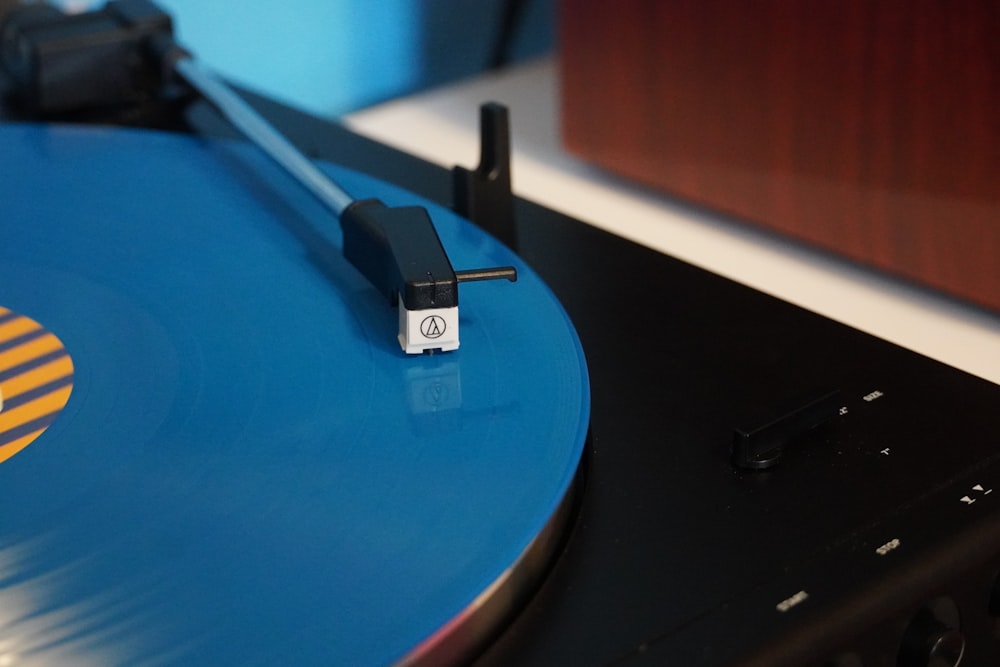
32 350
14 446
15 327
53 371
36 380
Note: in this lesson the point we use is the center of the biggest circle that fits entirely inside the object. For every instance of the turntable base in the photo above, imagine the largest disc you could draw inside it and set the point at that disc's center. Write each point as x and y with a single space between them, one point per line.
871 523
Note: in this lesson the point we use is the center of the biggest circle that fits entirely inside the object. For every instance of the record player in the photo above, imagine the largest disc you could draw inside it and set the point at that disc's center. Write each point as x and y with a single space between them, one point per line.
628 460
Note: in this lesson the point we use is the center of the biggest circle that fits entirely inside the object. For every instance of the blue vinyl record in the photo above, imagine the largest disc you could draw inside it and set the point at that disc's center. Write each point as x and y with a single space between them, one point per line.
213 449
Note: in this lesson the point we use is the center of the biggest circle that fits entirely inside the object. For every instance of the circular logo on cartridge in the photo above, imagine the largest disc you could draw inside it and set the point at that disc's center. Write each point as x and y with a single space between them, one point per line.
433 326
36 380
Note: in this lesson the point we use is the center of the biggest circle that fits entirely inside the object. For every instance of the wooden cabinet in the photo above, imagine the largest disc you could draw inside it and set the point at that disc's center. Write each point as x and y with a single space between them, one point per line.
870 128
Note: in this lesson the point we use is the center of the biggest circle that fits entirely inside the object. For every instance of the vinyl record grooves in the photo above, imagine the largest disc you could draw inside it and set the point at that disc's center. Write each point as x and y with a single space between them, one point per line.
248 469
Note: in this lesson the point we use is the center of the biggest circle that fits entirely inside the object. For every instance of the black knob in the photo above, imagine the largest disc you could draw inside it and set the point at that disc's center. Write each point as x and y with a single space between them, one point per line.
931 641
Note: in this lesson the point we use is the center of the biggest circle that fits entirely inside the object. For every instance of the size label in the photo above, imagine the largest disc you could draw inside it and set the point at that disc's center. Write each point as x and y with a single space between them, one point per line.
36 380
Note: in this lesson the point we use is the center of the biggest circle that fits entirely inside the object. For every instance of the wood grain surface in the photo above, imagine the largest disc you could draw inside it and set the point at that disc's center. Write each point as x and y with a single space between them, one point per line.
871 128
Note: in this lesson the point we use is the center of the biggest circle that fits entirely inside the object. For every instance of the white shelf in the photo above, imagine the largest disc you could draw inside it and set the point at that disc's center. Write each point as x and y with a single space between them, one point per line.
442 127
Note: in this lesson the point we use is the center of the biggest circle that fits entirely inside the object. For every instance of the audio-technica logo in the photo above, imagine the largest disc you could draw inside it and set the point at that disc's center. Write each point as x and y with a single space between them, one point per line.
433 326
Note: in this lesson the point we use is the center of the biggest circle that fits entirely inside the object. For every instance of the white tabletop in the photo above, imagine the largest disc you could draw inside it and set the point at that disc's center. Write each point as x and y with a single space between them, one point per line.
442 127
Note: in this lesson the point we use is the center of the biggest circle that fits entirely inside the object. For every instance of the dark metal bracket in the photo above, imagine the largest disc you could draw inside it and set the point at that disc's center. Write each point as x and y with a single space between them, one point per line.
484 195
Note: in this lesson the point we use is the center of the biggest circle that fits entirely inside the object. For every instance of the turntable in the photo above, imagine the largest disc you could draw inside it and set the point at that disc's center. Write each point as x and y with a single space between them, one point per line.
218 452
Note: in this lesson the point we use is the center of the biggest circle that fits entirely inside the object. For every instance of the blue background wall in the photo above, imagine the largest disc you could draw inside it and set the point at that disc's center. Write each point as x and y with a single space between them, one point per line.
333 56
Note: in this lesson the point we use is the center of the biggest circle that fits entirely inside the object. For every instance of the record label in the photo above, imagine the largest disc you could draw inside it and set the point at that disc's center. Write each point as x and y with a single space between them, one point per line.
36 380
